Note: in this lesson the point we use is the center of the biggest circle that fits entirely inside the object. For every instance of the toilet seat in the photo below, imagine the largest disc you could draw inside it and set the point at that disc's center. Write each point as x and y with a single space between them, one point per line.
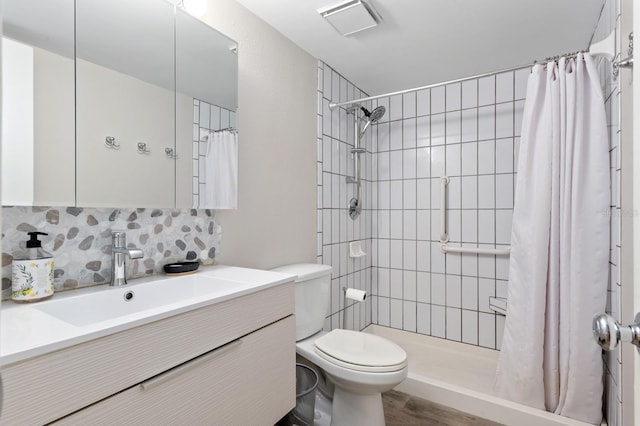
361 351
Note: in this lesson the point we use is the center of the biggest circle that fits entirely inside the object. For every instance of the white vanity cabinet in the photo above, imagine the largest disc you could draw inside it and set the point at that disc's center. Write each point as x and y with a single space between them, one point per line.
229 363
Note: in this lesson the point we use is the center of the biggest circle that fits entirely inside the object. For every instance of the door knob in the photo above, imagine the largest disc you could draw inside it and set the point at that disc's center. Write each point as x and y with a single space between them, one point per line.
608 333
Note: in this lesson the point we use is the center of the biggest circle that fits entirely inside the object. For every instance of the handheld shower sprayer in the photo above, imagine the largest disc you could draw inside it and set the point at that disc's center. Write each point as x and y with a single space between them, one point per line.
372 116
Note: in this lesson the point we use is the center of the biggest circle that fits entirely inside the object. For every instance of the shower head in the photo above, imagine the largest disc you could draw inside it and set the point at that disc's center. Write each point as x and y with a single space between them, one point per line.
372 116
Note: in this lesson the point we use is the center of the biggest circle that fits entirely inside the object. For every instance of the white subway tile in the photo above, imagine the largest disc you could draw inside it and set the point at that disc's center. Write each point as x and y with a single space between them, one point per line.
395 164
396 194
486 195
396 254
437 100
395 135
396 313
383 136
410 226
423 287
438 321
384 224
409 316
487 330
409 133
486 122
385 103
486 91
396 224
486 264
423 106
469 191
504 155
395 108
470 94
469 264
383 282
518 109
409 194
435 191
409 255
383 253
437 129
486 157
453 127
454 324
423 325
470 293
383 311
504 120
438 161
423 193
454 226
454 193
438 289
469 118
521 78
395 276
423 162
453 290
423 131
503 226
504 87
409 283
409 163
504 191
469 158
453 162
423 221
423 256
384 195
409 105
469 226
470 327
486 226
437 259
486 289
453 97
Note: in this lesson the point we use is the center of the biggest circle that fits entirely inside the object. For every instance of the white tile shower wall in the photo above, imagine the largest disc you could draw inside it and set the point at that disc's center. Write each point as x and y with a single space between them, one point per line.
206 118
609 21
335 230
469 132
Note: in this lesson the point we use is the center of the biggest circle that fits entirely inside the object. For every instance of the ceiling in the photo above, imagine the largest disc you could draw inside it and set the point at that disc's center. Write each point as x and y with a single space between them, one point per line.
421 42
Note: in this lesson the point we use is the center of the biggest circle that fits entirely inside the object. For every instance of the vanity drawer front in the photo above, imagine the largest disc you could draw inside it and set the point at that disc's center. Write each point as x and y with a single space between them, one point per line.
70 379
250 381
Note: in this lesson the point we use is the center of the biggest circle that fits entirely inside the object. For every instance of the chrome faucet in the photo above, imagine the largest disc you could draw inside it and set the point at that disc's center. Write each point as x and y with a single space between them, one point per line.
118 252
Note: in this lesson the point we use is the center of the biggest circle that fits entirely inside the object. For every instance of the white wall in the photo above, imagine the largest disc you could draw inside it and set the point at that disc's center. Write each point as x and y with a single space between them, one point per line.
17 129
54 171
275 223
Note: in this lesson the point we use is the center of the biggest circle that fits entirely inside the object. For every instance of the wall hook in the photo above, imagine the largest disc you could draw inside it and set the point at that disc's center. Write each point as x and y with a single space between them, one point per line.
110 142
170 153
142 148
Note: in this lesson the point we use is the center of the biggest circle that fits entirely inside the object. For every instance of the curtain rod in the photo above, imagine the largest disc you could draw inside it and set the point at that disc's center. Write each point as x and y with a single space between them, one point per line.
429 86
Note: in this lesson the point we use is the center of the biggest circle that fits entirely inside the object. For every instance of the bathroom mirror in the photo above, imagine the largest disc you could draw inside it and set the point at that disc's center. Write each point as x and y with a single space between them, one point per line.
38 95
118 124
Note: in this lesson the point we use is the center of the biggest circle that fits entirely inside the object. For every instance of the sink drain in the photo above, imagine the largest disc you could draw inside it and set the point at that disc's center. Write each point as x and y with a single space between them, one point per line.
128 296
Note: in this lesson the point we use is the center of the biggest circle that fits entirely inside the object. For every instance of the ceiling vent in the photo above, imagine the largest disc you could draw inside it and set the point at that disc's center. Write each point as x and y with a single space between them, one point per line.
351 16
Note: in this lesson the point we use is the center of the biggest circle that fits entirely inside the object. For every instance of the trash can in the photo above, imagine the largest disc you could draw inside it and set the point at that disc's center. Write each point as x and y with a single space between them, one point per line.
306 383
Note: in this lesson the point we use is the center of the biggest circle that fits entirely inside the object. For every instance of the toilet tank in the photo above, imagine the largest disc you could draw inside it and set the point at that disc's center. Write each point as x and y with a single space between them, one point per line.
312 293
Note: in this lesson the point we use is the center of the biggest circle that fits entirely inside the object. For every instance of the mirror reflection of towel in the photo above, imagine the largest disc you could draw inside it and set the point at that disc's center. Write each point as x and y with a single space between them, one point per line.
221 171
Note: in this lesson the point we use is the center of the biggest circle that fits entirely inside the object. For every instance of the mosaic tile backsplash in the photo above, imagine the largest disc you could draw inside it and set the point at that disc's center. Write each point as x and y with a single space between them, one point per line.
80 240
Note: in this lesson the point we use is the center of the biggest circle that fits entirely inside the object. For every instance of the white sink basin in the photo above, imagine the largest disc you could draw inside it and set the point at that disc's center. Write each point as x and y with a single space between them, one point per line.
135 299
78 316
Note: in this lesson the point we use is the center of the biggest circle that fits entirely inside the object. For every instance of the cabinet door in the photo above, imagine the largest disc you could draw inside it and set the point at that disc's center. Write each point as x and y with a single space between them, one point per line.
249 381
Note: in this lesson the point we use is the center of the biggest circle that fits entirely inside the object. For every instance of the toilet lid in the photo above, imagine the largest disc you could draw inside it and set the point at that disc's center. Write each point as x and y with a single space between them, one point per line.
361 351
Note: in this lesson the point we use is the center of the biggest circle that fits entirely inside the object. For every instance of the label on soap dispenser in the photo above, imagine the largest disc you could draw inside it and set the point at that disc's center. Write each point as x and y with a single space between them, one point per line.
31 279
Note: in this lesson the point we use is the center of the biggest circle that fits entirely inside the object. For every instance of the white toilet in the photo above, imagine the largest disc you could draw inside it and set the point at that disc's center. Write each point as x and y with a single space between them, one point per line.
360 365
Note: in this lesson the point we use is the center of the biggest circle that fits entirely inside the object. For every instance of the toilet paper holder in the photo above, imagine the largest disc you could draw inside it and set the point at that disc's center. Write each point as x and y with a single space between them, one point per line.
351 294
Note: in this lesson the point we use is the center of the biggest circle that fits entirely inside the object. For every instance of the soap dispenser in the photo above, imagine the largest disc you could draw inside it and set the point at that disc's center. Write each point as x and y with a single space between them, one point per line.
32 272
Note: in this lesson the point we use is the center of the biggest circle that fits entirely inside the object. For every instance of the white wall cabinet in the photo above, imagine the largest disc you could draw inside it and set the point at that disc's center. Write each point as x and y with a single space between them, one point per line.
229 363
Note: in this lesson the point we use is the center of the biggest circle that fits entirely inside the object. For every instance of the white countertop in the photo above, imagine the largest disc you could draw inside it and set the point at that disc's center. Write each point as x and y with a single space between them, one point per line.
28 330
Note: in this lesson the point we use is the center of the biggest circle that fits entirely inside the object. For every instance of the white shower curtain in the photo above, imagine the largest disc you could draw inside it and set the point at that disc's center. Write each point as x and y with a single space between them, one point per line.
558 270
221 171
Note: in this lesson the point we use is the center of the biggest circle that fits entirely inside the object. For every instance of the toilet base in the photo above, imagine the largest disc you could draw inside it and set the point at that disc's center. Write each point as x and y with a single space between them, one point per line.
350 409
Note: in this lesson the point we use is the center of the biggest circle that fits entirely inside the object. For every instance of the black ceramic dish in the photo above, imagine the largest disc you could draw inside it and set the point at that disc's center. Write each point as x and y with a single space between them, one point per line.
181 267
